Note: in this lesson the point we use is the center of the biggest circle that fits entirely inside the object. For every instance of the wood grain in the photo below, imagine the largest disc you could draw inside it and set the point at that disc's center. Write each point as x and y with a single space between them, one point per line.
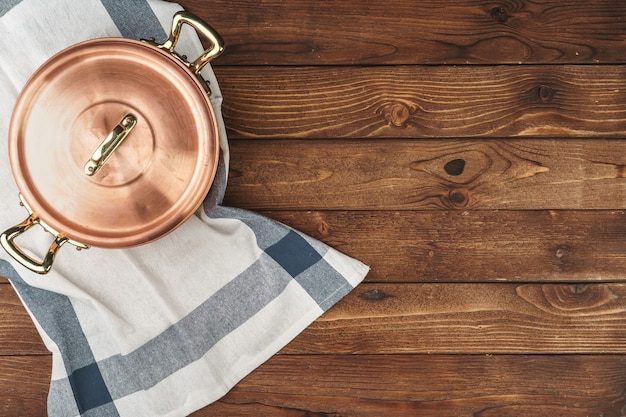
438 318
438 385
18 335
409 174
474 246
470 318
418 101
468 246
24 383
338 32
488 197
375 385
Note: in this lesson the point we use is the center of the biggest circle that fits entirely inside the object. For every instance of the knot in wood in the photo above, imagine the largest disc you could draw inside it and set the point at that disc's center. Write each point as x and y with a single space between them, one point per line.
455 167
458 197
374 295
323 228
397 113
567 300
545 93
561 251
578 288
499 14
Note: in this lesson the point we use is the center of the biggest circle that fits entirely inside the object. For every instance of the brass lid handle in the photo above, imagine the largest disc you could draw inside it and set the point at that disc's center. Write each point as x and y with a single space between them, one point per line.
110 144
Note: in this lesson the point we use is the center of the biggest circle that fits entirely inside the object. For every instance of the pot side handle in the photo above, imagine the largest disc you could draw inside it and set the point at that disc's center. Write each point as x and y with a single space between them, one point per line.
215 48
7 240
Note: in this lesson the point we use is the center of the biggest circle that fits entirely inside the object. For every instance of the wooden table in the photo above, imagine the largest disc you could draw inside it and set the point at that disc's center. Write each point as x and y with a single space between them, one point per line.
471 152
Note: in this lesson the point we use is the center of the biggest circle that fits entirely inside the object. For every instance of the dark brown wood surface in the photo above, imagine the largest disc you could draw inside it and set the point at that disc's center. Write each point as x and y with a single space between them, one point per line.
473 153
424 101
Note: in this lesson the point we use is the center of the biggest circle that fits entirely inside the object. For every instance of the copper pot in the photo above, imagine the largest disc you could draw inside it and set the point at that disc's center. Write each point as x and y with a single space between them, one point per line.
113 143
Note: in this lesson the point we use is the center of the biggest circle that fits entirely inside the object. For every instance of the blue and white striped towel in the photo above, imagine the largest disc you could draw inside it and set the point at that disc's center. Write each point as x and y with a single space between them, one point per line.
166 328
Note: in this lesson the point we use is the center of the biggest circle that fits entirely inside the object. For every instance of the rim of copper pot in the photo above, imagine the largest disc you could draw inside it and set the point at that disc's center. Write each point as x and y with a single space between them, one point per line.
153 181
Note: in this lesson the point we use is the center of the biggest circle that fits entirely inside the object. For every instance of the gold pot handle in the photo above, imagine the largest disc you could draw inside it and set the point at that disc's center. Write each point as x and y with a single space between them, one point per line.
7 240
215 48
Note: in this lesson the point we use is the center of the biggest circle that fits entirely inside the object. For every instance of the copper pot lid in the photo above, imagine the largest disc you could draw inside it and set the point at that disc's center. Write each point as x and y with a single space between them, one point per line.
123 95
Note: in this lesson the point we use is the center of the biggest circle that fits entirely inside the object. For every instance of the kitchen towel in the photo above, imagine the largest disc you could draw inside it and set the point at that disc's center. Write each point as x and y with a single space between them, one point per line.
166 328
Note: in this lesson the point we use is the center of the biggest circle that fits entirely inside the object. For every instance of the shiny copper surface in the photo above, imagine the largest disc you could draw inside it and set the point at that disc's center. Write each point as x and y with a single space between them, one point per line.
152 182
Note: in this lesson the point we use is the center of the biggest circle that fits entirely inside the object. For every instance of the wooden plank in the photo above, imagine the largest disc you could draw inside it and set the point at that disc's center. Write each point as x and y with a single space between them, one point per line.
409 174
474 246
418 101
390 385
24 383
18 334
440 318
338 32
471 319
469 246
454 386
